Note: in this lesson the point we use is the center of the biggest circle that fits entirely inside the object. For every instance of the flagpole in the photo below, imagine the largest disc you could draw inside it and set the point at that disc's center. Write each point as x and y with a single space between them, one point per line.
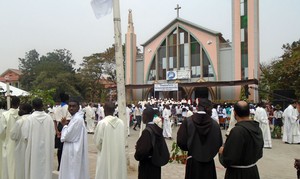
120 71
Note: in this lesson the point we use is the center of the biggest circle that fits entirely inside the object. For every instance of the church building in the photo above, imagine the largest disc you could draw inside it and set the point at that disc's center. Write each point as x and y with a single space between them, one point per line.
186 60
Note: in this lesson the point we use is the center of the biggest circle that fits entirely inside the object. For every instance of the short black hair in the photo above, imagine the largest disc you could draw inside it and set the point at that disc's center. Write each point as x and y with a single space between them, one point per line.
148 114
64 97
15 101
25 109
75 100
109 108
242 110
37 103
204 103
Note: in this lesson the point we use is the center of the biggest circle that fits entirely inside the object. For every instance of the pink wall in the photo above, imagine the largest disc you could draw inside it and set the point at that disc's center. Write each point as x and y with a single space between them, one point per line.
202 36
130 58
236 40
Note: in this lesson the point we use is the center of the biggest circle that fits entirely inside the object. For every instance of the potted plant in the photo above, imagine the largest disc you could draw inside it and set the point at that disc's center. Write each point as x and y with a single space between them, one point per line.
178 155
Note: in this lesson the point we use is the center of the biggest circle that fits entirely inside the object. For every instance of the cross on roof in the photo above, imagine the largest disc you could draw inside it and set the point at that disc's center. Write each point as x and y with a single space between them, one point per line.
177 9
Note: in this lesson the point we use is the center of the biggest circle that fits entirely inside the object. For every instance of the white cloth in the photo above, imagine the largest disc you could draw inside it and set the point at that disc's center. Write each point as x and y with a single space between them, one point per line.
101 7
61 112
232 122
7 121
89 118
21 144
291 132
1 145
110 142
100 112
167 130
128 113
261 116
215 115
189 113
74 161
40 146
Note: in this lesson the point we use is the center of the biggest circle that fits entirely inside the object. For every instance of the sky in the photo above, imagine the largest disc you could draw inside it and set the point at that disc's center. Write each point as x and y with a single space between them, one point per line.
46 25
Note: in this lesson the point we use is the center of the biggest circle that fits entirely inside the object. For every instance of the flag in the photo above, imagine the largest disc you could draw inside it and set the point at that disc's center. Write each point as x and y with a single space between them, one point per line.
101 7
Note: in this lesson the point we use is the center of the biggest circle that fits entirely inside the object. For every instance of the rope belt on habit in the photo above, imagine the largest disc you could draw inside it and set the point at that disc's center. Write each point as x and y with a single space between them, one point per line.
247 166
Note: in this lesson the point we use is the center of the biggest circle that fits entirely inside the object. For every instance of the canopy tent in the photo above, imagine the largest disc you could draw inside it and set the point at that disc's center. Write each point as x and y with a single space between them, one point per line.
14 91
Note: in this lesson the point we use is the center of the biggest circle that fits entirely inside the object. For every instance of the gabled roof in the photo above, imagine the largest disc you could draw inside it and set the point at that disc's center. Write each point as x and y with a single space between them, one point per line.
12 70
180 20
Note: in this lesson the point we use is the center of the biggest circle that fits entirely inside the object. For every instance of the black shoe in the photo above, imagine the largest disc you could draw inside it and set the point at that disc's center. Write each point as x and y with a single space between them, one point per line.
134 129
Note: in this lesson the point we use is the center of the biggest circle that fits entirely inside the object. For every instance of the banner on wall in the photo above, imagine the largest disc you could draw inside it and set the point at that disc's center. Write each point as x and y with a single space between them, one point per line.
166 87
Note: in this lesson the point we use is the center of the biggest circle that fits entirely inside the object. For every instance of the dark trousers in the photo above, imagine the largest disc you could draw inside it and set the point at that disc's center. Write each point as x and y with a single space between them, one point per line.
138 122
59 153
59 145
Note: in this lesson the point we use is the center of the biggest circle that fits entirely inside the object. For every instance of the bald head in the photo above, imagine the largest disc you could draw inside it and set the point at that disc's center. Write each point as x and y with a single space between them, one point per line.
241 109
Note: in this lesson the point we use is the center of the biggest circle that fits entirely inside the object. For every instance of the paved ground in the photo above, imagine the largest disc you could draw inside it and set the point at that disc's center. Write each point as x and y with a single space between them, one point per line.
276 162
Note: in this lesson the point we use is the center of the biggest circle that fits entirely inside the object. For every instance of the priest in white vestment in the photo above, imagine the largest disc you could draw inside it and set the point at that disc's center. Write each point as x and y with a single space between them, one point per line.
2 106
74 161
291 133
7 121
21 144
110 141
167 129
261 116
90 118
40 134
128 114
232 123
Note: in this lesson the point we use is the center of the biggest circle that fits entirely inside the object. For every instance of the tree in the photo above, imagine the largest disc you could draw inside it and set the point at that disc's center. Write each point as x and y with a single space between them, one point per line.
95 68
284 72
53 70
91 73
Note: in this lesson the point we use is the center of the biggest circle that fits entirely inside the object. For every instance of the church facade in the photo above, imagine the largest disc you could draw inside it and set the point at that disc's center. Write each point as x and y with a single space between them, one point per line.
186 53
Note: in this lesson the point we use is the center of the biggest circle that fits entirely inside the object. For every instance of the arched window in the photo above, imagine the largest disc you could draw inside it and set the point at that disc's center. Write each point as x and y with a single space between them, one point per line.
152 73
207 67
195 58
180 51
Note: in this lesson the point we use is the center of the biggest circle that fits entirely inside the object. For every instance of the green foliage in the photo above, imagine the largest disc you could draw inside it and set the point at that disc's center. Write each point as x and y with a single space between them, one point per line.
178 155
95 68
54 70
45 95
284 72
243 94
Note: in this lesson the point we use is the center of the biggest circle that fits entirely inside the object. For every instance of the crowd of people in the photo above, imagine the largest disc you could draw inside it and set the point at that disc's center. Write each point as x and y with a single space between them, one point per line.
29 136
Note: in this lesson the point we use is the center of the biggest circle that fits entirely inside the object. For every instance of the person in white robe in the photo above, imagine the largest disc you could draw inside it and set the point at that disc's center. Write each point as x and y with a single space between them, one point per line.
90 118
110 142
39 136
167 129
232 123
261 116
100 112
2 106
7 121
291 133
16 135
214 113
60 112
74 162
189 112
128 114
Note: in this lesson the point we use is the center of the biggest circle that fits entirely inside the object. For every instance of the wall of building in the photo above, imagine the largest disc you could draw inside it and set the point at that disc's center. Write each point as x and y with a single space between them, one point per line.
226 73
202 36
140 77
